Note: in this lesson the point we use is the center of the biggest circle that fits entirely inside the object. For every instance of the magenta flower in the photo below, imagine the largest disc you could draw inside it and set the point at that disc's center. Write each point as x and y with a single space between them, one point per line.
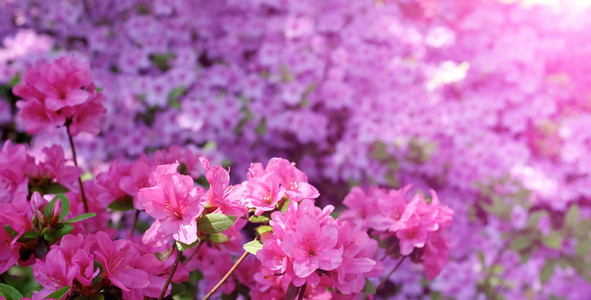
175 203
312 247
263 193
58 93
54 272
117 259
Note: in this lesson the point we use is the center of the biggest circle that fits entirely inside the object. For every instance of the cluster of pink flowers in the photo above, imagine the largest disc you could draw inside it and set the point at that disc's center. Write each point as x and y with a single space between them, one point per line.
93 262
61 93
410 228
310 247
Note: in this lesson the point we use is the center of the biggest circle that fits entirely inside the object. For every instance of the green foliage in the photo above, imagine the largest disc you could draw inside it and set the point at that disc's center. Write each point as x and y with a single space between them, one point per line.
218 238
182 246
253 247
9 293
369 288
214 223
547 271
59 293
124 203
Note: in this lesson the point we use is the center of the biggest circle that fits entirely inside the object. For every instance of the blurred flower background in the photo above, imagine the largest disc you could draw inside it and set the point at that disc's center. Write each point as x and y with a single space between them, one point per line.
488 102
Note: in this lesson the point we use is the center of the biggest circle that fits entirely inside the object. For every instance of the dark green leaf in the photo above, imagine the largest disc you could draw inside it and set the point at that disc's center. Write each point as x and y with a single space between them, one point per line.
218 238
99 277
56 234
79 218
253 247
59 293
55 188
65 206
29 235
214 223
10 231
521 242
547 271
49 208
369 288
122 204
9 293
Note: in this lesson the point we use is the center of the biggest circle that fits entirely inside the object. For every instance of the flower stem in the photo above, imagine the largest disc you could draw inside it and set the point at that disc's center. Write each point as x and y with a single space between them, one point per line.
135 217
193 254
174 266
76 163
390 274
234 267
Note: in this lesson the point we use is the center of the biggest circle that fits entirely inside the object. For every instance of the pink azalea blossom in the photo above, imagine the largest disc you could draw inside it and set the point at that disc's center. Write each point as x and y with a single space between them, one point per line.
175 203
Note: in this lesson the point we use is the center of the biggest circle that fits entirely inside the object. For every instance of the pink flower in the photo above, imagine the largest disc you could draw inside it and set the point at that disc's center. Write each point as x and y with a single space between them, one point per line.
54 272
263 193
220 194
175 203
58 93
292 179
117 259
84 262
358 262
312 247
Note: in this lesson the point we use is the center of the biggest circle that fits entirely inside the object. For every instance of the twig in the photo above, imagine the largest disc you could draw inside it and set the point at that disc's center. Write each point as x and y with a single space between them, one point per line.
76 163
176 263
390 274
217 286
193 254
137 214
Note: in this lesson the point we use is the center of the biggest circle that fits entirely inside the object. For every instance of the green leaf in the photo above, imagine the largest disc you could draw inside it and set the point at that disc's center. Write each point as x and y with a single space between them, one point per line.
175 95
79 218
182 246
99 277
285 204
369 288
49 208
263 228
10 231
214 223
253 246
259 219
29 235
65 206
553 240
521 242
59 293
534 218
9 293
58 232
547 271
497 269
124 203
218 238
55 188
572 216
583 248
164 255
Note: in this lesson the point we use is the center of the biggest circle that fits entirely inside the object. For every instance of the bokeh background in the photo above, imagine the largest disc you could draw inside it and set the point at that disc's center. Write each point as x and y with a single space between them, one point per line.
488 102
